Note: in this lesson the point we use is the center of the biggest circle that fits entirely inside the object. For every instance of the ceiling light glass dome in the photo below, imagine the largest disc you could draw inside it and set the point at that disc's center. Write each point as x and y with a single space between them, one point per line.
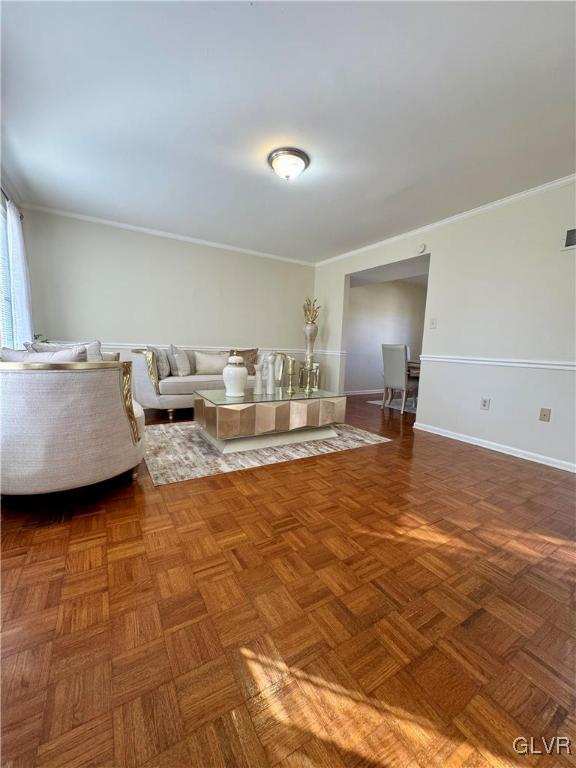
288 162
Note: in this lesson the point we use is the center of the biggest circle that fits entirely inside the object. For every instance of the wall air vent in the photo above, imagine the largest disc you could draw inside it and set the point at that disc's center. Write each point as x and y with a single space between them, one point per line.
570 238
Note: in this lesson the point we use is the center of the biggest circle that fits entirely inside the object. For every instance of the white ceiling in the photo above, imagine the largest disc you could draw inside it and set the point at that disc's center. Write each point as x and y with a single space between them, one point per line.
420 280
161 115
413 270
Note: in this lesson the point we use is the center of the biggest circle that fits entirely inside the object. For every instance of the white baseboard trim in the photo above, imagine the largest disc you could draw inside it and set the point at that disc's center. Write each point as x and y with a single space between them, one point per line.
499 447
363 392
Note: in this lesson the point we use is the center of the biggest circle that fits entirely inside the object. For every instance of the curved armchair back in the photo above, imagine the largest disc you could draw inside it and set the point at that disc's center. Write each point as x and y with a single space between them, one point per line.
66 425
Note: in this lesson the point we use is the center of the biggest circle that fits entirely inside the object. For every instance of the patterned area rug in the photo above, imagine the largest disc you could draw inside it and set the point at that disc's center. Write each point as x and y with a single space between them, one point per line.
177 452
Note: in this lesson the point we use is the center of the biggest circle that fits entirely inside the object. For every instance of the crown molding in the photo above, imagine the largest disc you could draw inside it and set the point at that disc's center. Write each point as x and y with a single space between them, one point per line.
11 187
161 233
564 181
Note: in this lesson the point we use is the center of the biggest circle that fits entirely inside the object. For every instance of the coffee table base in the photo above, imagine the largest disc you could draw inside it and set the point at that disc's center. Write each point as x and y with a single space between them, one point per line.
237 444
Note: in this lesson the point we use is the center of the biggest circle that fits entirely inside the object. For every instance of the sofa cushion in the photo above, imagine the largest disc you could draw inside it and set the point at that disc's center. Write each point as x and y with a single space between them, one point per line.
211 362
70 355
93 348
179 362
250 358
186 385
111 357
162 362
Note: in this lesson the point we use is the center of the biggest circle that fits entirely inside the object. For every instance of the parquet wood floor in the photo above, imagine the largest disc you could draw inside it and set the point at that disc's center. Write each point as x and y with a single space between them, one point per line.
406 605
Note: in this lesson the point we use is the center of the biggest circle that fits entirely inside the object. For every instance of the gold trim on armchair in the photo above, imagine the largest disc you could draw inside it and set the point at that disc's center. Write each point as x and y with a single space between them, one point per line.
58 366
151 366
127 400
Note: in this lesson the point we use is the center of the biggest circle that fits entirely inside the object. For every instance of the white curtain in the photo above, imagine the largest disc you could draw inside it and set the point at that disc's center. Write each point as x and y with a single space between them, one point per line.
19 278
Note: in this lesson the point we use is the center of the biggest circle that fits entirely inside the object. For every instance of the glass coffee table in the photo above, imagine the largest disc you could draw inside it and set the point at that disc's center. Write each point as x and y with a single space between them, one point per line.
261 421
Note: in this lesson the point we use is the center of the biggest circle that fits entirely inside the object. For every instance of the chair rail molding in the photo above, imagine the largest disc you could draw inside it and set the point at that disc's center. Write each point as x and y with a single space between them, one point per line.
123 345
508 362
331 352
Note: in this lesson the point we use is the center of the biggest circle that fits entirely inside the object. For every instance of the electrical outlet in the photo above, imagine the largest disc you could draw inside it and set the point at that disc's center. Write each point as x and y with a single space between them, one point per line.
545 414
484 403
433 323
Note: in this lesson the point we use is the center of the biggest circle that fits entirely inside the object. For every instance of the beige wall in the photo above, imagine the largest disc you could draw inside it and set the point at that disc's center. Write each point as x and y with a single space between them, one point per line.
92 281
499 283
500 286
383 313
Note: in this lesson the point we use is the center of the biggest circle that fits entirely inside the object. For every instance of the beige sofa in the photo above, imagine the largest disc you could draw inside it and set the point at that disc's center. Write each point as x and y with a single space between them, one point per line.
176 391
67 425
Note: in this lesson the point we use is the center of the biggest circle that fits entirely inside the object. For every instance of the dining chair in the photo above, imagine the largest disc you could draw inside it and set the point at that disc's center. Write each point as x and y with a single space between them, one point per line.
394 361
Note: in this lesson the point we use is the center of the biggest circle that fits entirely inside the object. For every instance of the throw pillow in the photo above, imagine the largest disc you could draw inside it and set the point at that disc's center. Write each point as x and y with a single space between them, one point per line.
192 358
111 357
93 351
75 354
162 363
211 363
179 362
250 358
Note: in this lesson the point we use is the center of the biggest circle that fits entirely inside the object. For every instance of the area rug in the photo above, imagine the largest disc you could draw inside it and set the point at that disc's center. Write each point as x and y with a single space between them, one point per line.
396 405
176 452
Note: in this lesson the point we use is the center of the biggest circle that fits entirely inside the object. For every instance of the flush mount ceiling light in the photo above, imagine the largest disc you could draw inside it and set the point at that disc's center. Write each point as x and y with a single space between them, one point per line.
288 162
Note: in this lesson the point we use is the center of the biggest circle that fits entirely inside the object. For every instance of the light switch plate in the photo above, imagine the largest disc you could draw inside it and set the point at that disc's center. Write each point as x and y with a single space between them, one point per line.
545 414
433 323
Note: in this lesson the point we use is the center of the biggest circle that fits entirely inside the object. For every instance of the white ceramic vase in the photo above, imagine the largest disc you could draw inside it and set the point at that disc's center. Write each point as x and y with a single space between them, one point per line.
258 387
235 376
310 333
271 374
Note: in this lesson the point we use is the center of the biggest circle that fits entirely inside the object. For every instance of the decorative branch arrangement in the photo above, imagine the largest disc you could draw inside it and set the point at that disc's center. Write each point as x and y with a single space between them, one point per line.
311 310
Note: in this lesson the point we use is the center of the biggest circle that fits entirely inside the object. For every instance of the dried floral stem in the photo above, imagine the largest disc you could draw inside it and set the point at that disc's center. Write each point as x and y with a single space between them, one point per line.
311 310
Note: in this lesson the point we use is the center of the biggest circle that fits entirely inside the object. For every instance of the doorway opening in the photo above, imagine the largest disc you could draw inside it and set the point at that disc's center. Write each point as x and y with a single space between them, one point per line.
386 305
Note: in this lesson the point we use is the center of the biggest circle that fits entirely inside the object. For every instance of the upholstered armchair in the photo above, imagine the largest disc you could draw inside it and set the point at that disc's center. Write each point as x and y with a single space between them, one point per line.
67 425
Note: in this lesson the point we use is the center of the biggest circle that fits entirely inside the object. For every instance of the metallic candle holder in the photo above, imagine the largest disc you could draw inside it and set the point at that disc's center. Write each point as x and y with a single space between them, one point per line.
315 376
308 377
291 373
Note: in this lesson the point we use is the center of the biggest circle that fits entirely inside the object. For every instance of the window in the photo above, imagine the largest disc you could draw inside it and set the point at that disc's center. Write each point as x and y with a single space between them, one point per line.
15 309
6 310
